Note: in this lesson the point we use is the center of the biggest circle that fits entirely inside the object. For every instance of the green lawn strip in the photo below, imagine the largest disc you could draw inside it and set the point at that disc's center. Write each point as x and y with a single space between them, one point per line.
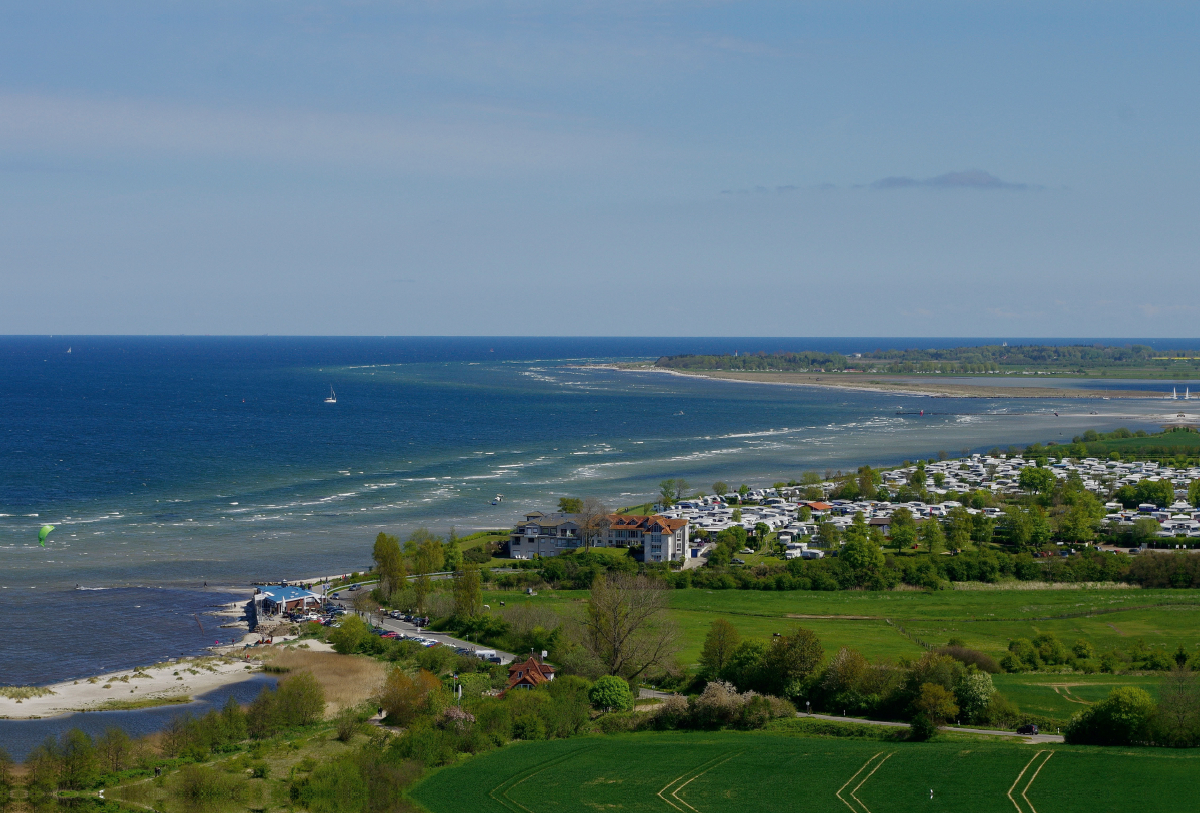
733 771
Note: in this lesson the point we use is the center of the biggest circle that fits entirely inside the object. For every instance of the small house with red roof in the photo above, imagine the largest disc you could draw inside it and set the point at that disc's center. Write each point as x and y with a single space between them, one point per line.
528 675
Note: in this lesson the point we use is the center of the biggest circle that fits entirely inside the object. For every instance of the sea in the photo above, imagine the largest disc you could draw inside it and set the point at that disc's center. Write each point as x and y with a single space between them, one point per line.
179 470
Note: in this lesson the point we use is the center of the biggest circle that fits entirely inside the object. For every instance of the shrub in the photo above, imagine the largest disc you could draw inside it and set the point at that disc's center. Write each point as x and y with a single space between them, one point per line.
971 657
404 697
973 694
611 693
529 726
204 786
300 700
1122 718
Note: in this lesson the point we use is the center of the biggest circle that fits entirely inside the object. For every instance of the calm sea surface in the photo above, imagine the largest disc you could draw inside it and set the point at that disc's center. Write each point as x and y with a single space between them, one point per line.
179 469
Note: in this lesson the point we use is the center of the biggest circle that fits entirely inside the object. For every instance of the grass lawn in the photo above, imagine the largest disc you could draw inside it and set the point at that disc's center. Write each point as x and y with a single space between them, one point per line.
732 771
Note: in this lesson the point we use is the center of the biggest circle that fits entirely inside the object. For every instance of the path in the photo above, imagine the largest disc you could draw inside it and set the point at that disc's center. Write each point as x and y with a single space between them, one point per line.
396 625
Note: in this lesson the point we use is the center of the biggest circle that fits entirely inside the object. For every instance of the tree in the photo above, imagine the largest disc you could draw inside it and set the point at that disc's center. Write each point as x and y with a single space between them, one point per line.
1039 527
864 558
429 557
592 520
719 645
681 488
7 780
389 563
666 492
743 490
931 535
936 704
1079 522
1036 480
791 659
804 513
114 749
625 628
974 693
720 488
350 636
468 592
570 505
903 528
828 535
611 693
1177 721
958 526
79 766
1194 493
451 555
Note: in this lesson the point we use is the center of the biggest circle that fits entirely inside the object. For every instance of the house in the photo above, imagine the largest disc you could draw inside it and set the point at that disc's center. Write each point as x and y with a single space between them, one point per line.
663 539
275 600
544 535
528 675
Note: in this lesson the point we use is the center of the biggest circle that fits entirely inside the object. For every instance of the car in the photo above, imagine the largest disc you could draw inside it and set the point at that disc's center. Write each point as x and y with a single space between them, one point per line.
1028 728
1133 550
390 634
737 561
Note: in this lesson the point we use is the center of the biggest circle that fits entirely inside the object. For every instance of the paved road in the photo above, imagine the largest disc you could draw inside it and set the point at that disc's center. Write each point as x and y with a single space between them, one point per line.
411 629
998 733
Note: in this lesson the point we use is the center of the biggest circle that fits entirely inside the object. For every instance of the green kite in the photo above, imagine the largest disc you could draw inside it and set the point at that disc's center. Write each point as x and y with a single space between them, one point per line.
42 534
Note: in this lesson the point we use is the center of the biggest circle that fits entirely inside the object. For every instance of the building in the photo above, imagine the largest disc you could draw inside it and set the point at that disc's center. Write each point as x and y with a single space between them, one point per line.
544 535
275 600
663 539
528 675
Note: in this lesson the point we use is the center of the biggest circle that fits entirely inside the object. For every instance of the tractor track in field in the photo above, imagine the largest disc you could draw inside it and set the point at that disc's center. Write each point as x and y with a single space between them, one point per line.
1028 784
853 792
694 774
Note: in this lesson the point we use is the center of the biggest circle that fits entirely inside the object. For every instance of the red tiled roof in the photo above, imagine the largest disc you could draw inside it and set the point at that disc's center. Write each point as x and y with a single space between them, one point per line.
627 521
530 673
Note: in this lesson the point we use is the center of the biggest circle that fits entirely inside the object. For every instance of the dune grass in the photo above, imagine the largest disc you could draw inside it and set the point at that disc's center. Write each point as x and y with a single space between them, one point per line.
348 680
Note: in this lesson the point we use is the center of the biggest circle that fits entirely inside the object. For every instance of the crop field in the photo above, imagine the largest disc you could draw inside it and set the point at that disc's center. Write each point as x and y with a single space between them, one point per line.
984 619
732 771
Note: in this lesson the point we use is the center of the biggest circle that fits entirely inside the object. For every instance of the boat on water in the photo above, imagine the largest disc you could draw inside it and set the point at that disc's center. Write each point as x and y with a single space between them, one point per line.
332 399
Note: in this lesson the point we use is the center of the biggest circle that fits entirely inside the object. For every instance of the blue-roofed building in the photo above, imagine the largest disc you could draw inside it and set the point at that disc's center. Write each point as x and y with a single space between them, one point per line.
275 600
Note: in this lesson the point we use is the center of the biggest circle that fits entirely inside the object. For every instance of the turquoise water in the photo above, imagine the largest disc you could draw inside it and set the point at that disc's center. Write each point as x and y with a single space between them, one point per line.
171 464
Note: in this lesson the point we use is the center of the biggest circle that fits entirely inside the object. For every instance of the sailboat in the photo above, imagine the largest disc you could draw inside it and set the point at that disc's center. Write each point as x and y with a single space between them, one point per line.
332 399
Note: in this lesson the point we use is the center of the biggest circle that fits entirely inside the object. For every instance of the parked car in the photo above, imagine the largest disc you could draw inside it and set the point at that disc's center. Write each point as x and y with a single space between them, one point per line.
1028 728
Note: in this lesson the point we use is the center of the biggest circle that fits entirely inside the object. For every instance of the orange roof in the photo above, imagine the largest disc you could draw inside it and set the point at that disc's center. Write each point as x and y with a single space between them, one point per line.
819 506
625 521
530 673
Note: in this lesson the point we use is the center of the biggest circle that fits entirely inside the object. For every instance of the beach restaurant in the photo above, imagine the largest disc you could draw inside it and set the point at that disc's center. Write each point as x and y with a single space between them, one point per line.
275 600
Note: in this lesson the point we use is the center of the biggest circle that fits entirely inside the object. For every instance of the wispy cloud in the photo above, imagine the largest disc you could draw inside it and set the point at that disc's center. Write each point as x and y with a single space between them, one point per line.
964 179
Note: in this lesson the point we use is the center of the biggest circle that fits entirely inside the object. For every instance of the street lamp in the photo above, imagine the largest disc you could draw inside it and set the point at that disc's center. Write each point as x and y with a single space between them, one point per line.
808 705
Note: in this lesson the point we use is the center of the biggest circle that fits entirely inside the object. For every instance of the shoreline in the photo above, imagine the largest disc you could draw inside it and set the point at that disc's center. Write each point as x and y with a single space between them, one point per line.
159 685
931 390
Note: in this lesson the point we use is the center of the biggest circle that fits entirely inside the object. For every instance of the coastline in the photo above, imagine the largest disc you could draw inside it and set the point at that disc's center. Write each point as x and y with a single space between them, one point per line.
846 381
162 684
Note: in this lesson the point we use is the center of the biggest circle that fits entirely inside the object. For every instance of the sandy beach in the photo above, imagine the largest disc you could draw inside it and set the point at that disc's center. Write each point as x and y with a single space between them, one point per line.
900 386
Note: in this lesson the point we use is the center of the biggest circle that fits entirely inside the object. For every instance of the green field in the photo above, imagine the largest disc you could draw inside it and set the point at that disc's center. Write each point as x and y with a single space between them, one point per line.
1060 696
732 771
985 619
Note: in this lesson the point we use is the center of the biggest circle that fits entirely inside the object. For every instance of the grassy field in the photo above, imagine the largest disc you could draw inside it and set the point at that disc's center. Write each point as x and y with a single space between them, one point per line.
730 771
984 619
1060 696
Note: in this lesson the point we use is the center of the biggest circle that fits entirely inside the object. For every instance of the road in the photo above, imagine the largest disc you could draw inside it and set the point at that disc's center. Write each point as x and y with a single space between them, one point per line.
405 627
949 728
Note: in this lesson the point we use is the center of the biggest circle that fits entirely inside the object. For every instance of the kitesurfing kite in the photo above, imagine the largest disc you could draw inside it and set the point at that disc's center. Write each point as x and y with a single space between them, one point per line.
42 534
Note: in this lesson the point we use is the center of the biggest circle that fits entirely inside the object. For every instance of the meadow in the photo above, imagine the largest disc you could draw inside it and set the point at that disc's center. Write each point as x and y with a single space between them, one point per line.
894 624
735 771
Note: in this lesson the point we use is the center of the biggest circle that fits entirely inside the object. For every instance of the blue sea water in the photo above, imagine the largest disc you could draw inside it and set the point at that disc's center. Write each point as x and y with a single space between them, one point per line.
178 469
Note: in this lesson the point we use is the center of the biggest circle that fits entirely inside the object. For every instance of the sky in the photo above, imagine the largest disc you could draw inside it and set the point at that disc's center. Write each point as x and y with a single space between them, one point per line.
652 168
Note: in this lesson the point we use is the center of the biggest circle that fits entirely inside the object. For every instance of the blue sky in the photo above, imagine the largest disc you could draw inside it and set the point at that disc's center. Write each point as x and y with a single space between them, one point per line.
599 168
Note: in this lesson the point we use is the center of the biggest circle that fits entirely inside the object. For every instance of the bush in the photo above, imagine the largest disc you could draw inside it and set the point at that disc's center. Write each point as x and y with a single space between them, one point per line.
529 726
1122 718
405 697
922 729
971 657
611 693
